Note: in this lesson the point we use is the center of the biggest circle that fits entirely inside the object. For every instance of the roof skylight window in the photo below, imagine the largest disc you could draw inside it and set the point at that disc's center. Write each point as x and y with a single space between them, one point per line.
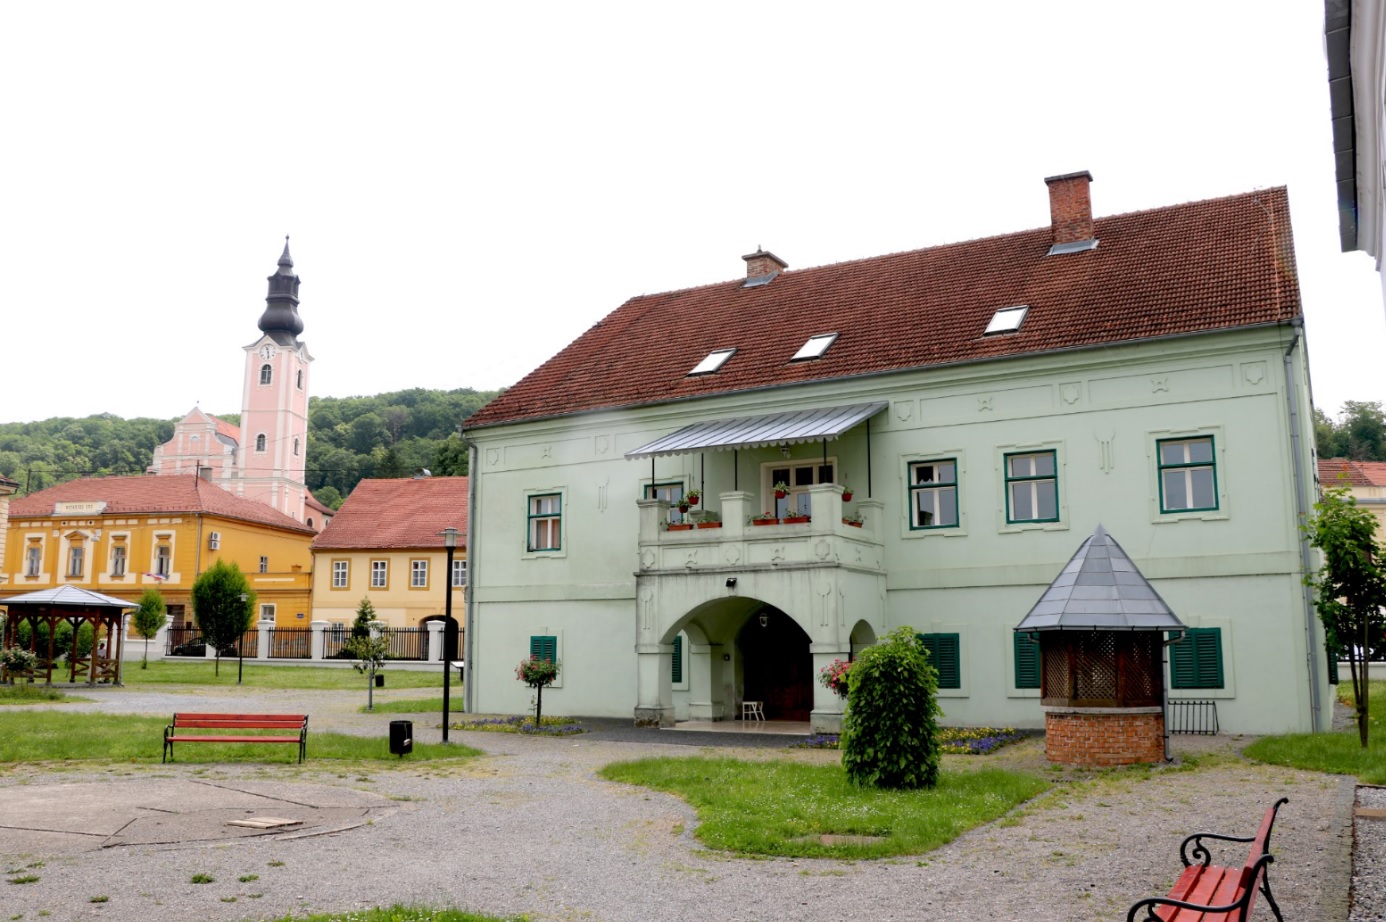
1007 320
815 346
713 362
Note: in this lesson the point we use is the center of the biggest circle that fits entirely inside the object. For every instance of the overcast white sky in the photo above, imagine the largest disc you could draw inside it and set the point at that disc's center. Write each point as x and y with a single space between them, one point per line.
469 186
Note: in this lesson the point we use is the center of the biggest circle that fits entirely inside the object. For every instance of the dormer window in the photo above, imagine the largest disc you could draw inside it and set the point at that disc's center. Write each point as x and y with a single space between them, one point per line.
266 374
815 347
713 362
1007 320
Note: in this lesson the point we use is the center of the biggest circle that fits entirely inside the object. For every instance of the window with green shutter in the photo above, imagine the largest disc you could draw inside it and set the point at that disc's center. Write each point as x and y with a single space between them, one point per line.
944 655
678 659
1196 661
544 646
1027 661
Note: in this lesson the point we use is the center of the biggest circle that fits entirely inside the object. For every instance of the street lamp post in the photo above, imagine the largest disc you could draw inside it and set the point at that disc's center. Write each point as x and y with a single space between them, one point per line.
240 642
450 542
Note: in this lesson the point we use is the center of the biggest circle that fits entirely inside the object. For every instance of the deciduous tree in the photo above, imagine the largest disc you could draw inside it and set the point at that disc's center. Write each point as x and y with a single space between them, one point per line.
1351 587
221 612
148 618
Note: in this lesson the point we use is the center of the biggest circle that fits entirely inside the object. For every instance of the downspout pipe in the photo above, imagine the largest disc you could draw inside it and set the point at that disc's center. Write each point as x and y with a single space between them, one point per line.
1301 508
469 616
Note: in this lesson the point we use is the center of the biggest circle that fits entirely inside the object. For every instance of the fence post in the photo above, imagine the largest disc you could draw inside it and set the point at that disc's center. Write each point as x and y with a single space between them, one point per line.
262 638
435 641
318 646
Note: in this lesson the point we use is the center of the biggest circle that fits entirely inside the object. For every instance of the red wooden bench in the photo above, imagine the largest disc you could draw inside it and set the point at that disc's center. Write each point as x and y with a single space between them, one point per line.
174 732
1207 892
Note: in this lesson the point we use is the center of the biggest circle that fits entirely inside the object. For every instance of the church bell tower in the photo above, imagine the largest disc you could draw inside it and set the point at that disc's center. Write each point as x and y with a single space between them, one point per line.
274 414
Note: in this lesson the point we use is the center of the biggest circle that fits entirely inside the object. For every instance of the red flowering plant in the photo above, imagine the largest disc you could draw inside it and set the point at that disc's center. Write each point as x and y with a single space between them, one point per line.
536 673
834 676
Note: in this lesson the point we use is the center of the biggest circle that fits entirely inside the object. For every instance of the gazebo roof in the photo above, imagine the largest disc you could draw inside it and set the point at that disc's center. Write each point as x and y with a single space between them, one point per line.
68 597
1100 590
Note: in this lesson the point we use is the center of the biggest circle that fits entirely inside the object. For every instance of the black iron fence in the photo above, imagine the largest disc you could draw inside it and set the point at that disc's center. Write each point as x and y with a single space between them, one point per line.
182 641
333 639
408 643
247 644
1195 717
291 643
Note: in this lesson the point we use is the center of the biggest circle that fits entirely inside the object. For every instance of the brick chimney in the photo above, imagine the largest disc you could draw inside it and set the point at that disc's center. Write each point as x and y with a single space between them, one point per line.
762 263
1070 207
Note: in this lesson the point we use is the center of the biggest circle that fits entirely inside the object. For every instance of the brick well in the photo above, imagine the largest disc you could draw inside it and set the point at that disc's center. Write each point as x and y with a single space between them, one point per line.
1096 737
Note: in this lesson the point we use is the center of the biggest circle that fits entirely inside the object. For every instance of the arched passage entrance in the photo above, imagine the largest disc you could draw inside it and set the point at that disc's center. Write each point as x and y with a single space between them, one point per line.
777 664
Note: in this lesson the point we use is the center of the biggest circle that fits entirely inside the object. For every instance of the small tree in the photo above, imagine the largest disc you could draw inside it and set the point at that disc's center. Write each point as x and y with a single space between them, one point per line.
368 648
1351 587
536 673
890 729
222 615
149 617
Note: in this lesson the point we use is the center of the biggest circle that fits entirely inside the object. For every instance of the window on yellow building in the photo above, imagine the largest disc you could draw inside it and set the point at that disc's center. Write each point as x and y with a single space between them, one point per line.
340 572
75 556
380 574
33 559
418 574
118 552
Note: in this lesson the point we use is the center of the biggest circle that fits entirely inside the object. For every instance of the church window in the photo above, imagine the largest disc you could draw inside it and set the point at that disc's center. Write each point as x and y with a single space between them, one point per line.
295 448
260 442
300 379
266 374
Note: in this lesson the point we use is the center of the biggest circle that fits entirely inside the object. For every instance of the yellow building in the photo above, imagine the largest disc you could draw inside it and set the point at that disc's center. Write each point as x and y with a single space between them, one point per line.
1366 482
385 544
120 535
7 489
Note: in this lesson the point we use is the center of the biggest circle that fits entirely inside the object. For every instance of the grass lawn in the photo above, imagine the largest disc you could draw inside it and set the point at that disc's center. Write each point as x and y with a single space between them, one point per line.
400 914
34 694
200 672
784 808
48 736
1338 753
417 705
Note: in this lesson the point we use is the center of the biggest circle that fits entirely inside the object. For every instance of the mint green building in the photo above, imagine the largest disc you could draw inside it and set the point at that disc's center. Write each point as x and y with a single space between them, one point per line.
946 425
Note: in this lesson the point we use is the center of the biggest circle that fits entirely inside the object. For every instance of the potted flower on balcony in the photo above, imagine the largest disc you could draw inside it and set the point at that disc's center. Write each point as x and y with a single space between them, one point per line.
855 520
781 490
834 676
846 493
693 496
765 518
797 518
676 526
709 519
682 505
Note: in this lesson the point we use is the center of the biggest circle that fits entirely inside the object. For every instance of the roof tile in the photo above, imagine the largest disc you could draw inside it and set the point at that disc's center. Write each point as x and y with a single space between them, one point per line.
1211 265
397 513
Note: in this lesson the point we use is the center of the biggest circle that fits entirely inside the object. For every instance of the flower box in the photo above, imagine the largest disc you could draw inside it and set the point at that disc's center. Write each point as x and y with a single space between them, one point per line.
765 521
684 526
709 524
853 523
795 519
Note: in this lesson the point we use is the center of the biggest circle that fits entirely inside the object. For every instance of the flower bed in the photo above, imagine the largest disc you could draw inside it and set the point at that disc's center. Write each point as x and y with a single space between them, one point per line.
958 741
552 726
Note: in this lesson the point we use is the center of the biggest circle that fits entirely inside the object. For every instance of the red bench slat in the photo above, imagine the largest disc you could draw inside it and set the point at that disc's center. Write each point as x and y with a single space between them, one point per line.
207 721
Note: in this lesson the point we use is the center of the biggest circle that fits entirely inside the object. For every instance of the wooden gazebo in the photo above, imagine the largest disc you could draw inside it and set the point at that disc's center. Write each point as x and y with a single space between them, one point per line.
44 611
1101 629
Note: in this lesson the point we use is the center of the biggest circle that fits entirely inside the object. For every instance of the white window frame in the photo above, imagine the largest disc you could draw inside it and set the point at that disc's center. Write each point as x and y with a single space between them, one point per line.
76 560
797 502
418 573
341 574
33 559
120 559
459 569
380 574
163 559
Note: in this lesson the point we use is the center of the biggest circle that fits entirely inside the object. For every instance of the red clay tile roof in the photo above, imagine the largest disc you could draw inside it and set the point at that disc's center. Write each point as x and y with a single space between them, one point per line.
318 505
226 429
1202 266
1335 472
398 513
161 493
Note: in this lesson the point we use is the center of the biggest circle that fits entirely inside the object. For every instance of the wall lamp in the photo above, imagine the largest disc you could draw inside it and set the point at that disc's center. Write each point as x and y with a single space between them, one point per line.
731 582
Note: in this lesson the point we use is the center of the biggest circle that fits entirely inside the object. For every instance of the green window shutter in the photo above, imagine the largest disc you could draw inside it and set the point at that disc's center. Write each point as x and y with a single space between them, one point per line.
945 656
544 646
1027 661
1196 661
678 659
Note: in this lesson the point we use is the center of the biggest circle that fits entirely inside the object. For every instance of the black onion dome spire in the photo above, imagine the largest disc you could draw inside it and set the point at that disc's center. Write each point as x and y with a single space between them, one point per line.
281 304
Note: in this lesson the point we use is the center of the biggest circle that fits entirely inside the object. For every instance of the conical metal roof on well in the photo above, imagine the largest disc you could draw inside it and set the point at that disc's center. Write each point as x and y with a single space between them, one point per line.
1100 590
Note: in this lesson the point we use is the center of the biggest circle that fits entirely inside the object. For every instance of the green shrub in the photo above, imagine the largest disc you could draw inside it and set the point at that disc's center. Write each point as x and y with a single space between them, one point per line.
890 730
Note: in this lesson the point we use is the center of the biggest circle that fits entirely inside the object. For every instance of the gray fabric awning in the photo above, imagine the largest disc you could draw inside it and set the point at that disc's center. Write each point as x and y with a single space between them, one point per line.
759 431
1100 590
68 596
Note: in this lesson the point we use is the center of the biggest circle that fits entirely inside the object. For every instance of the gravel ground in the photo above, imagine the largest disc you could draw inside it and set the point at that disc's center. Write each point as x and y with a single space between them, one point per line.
529 829
1369 868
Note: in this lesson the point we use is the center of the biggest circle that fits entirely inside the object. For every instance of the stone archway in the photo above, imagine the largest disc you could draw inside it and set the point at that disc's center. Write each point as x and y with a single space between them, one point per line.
777 667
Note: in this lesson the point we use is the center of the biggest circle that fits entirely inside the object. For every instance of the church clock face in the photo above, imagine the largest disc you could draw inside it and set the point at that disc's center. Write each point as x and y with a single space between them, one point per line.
266 351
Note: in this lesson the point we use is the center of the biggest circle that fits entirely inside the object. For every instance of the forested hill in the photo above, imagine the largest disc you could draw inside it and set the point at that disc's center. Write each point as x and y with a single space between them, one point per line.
349 438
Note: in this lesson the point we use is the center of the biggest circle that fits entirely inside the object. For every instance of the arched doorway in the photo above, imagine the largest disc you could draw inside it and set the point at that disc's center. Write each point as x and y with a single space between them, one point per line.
778 668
